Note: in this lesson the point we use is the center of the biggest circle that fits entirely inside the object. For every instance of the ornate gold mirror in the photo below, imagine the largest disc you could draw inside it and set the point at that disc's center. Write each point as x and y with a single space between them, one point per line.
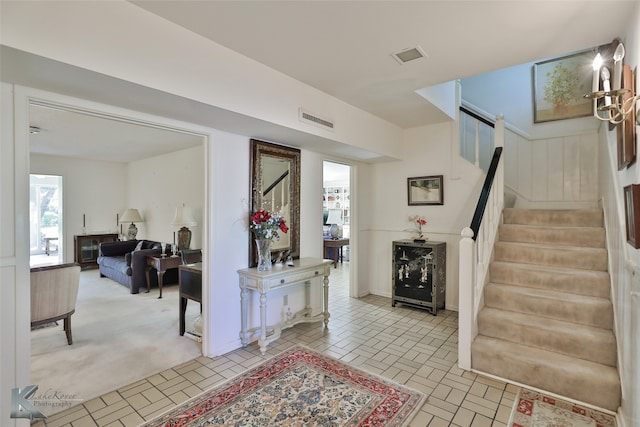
275 187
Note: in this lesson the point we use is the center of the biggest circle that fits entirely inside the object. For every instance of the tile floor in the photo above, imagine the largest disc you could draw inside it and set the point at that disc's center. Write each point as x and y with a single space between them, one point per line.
405 344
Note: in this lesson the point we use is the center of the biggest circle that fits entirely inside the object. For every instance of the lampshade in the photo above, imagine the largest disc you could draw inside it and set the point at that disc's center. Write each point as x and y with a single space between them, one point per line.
183 217
335 216
335 220
131 215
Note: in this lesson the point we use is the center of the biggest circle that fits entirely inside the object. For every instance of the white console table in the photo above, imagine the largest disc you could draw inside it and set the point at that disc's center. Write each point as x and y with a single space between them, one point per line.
307 272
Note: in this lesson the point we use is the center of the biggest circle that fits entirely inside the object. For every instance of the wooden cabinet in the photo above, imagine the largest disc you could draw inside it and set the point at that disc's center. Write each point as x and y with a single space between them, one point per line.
86 246
419 274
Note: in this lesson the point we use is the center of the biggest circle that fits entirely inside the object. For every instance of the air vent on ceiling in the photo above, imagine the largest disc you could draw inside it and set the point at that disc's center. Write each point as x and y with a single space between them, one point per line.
408 55
313 119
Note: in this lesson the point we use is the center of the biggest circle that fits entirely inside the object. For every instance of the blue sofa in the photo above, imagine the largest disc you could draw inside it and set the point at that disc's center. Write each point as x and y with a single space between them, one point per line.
120 262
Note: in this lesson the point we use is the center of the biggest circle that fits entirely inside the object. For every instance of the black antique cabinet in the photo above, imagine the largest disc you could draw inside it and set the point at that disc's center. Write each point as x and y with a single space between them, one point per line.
419 274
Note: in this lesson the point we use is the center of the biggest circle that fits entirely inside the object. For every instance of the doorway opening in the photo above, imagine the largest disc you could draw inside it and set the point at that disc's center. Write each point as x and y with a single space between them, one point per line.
45 220
99 323
336 223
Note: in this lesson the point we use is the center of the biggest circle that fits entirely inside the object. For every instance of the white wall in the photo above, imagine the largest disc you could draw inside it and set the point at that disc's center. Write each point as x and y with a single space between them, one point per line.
157 185
624 260
94 188
554 173
384 209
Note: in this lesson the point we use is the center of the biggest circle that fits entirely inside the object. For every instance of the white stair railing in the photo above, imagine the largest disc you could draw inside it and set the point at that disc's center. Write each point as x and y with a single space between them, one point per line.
476 248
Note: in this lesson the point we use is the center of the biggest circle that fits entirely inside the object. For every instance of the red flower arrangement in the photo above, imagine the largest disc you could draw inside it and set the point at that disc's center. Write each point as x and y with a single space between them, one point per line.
266 225
417 221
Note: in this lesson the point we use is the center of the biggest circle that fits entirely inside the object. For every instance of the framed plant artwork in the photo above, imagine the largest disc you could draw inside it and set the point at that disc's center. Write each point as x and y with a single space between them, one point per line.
425 190
632 214
559 86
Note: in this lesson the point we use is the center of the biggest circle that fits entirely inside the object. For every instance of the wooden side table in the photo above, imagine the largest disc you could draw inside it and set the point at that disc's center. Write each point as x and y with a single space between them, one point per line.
337 244
161 264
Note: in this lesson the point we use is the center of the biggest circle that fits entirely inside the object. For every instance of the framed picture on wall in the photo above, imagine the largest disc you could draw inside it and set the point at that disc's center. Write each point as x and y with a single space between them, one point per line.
425 190
559 85
626 131
632 213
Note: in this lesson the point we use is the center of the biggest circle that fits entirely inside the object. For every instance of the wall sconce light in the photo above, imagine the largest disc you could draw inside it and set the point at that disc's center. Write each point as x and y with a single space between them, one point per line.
618 102
183 219
131 215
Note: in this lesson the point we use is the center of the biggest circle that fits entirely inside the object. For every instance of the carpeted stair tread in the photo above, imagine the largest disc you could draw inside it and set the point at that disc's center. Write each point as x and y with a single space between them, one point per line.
557 256
586 310
568 218
566 236
582 282
582 380
571 339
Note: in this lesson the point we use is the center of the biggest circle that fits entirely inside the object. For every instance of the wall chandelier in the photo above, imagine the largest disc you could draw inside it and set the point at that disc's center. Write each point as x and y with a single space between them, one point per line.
617 100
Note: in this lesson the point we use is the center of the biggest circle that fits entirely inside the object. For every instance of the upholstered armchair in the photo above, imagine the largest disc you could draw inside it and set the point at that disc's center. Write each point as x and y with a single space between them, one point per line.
54 292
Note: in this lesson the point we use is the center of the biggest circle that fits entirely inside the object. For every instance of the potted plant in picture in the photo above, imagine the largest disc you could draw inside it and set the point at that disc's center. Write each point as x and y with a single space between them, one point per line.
562 88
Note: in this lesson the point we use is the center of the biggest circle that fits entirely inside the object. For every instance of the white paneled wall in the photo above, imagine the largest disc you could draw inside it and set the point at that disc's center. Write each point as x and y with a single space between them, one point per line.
559 173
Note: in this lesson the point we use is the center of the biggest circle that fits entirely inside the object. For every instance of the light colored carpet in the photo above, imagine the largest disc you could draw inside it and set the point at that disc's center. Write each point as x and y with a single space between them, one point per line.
118 338
547 319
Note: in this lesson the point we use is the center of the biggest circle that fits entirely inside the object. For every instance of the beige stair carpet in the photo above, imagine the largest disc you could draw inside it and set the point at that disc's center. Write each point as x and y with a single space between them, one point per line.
548 319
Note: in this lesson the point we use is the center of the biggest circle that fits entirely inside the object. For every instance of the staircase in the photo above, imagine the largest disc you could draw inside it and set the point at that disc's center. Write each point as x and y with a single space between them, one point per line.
548 319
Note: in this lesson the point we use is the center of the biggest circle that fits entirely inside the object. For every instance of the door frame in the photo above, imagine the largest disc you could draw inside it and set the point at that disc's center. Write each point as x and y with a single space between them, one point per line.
23 98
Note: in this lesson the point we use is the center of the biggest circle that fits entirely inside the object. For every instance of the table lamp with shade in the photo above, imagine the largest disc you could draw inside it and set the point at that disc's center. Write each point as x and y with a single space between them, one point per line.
132 216
183 219
335 221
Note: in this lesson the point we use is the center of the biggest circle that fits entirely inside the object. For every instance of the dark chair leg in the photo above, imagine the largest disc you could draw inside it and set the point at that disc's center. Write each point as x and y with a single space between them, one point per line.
67 329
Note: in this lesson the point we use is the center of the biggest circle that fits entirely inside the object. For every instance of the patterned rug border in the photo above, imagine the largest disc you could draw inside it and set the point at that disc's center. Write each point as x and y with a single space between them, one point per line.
600 418
413 411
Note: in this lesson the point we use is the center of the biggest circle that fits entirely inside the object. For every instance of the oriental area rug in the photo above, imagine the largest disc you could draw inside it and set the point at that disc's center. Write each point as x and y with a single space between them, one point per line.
299 387
534 409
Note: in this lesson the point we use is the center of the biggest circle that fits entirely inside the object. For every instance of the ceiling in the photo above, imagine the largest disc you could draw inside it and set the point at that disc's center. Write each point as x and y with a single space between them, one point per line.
85 136
345 48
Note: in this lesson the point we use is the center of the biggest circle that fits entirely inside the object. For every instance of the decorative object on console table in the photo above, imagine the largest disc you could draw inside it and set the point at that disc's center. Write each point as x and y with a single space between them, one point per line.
132 216
86 248
417 221
184 219
419 274
266 227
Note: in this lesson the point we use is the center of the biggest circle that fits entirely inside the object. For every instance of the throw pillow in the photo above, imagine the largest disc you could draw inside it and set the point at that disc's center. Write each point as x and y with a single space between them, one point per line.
139 245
